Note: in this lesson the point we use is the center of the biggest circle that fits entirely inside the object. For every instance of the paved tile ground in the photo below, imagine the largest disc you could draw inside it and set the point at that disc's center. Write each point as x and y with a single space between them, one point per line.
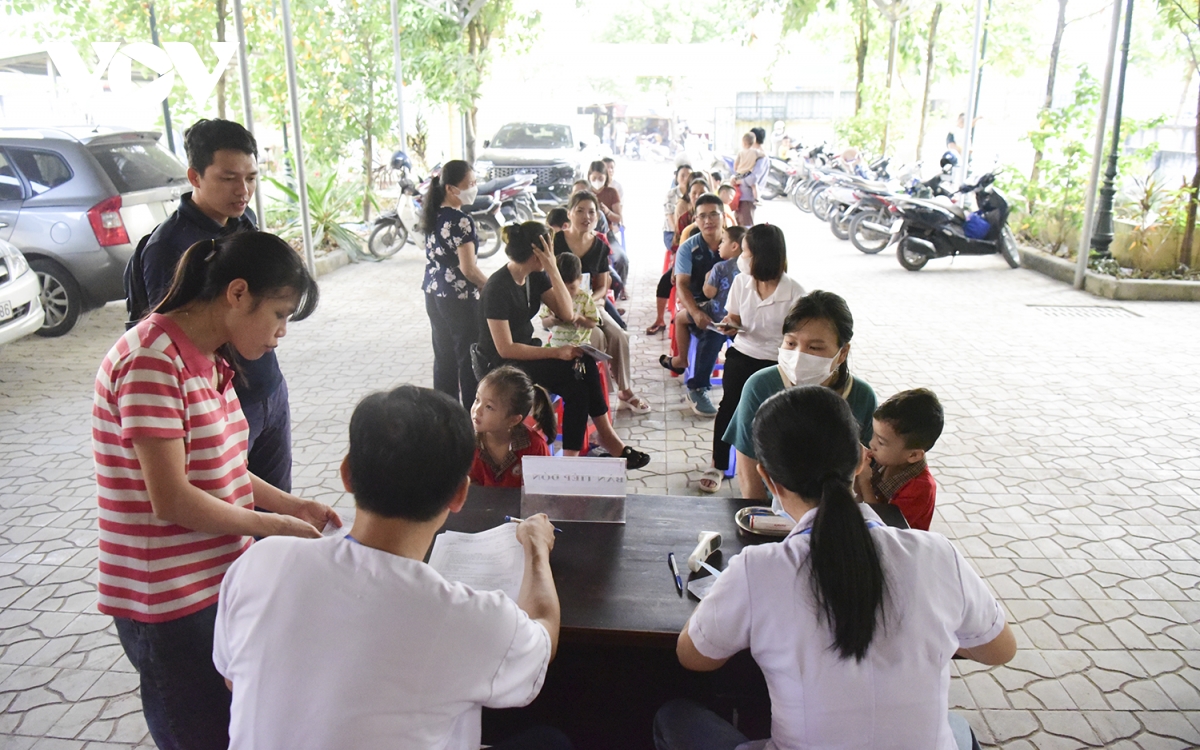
1069 475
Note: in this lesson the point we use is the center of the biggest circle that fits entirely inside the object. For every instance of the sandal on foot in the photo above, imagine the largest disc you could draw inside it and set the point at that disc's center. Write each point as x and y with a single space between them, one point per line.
634 459
665 361
635 405
711 481
656 328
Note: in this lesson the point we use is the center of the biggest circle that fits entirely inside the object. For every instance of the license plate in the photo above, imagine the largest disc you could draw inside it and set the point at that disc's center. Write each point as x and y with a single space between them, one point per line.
896 225
5 311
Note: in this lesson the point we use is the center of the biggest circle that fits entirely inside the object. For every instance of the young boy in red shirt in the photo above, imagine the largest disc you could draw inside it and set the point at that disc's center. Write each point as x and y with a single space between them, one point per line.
906 426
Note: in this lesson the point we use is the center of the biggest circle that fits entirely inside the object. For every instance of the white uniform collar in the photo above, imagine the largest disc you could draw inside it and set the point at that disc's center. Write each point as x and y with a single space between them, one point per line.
805 524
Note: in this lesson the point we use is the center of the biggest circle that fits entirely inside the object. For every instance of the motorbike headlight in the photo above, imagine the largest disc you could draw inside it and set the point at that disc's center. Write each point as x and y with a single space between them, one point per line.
17 265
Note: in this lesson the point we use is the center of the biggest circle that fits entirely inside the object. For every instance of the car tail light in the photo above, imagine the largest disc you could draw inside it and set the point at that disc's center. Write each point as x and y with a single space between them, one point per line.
105 218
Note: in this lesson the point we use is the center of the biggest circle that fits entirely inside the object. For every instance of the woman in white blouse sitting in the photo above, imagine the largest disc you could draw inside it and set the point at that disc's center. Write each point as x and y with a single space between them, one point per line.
853 623
759 300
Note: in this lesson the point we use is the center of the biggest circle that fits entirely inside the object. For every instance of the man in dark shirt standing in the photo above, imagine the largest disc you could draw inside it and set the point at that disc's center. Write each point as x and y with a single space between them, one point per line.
223 171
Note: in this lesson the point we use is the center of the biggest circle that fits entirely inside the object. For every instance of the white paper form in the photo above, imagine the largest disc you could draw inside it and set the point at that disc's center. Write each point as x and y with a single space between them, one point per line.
491 560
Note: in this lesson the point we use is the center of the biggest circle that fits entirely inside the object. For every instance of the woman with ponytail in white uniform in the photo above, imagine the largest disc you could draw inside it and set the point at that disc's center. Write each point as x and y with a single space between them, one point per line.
853 623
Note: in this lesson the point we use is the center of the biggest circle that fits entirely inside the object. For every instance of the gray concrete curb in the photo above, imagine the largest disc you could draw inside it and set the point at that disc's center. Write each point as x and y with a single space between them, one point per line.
1108 287
331 262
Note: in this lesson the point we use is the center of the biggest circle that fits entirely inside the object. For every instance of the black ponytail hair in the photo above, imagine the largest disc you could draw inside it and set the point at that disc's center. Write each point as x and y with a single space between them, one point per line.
519 239
453 172
268 265
522 396
807 440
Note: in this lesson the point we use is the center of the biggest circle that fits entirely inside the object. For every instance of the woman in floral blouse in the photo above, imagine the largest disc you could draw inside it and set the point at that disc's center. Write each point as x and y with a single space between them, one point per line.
452 279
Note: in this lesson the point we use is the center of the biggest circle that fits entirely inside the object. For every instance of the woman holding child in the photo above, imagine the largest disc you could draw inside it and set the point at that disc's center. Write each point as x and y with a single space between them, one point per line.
852 622
815 351
579 239
759 300
510 300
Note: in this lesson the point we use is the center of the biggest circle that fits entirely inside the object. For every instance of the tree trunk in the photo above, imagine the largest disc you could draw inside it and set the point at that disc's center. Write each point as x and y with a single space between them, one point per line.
368 138
1059 26
895 19
860 56
472 124
220 38
1185 252
476 50
933 22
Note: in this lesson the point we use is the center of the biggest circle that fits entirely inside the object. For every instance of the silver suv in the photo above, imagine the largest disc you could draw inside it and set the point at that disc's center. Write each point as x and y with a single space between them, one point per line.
76 201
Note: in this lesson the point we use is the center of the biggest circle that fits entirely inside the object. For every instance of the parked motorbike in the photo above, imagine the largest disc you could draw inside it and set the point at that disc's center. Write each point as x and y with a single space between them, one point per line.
925 229
394 228
517 195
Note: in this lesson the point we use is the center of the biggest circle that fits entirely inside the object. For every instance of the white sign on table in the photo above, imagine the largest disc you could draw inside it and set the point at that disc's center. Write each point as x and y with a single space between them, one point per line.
571 488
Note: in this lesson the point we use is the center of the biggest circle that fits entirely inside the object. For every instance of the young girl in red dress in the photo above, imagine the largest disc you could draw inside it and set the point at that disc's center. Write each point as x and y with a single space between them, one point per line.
506 396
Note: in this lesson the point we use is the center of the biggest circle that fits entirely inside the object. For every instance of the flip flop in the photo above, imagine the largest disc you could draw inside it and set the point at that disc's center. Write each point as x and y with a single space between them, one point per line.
656 328
635 405
711 481
665 361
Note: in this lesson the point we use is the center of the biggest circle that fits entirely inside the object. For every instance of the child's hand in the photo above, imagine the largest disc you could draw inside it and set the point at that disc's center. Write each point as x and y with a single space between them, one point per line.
583 321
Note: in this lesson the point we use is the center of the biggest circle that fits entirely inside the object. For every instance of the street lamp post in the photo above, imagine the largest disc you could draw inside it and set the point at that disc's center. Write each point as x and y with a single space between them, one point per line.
1102 236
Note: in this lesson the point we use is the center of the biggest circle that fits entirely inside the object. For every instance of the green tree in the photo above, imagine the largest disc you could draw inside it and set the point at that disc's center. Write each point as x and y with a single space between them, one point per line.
666 22
1184 17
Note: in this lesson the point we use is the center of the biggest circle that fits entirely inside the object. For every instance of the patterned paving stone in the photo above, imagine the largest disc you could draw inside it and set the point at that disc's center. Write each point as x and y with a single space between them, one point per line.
1068 475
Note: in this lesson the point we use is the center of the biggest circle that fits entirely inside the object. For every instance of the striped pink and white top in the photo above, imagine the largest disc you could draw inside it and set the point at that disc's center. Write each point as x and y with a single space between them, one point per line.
155 383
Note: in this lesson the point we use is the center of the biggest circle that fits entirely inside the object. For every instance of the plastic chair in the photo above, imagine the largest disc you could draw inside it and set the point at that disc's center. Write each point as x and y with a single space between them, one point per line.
718 368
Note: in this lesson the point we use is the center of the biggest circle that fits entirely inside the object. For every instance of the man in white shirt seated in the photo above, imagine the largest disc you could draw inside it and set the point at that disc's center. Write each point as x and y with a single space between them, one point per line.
353 641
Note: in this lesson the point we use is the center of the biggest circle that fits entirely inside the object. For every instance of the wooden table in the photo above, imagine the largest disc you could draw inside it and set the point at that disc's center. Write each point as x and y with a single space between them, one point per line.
621 616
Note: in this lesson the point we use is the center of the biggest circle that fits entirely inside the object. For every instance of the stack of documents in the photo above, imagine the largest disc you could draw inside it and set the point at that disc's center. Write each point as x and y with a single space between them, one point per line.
491 560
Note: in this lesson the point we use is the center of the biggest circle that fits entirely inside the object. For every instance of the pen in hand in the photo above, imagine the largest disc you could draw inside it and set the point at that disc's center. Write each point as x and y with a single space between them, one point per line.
675 571
514 519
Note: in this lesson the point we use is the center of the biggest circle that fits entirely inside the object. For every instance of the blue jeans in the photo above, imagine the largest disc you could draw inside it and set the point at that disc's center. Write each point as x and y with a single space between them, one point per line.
686 725
708 348
184 698
270 442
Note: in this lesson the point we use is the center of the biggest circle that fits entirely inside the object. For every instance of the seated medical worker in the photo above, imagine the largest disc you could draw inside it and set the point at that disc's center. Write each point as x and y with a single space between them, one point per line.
353 641
853 622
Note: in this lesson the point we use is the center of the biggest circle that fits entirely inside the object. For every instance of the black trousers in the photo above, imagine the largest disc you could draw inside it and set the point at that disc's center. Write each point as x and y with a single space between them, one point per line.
738 369
664 285
455 327
582 397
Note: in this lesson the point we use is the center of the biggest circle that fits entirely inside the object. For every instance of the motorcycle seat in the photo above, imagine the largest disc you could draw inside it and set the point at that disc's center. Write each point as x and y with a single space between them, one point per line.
491 186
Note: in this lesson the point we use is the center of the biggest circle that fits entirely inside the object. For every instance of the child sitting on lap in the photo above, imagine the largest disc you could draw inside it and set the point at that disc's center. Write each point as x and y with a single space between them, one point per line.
720 278
506 396
906 426
586 329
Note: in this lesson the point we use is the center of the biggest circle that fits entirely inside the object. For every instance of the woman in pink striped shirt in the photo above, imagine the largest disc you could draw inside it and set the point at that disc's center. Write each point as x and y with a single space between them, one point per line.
176 499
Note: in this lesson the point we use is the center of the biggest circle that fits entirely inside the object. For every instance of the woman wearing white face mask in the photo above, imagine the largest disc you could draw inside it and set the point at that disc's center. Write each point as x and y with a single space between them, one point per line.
759 301
815 351
452 279
610 199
